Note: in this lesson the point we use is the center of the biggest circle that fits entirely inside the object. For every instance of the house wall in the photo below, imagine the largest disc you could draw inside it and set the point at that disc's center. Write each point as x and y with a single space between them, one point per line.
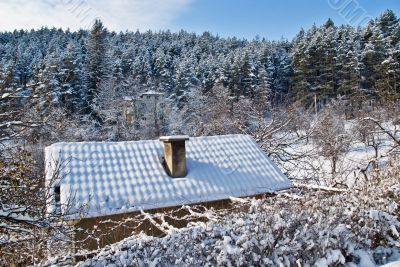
149 108
99 232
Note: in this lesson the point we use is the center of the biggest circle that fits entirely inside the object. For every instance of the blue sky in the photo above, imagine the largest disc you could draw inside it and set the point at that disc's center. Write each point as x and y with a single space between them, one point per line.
245 19
273 19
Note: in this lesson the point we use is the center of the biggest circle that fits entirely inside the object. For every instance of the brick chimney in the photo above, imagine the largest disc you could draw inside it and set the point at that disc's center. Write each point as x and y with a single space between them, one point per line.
175 155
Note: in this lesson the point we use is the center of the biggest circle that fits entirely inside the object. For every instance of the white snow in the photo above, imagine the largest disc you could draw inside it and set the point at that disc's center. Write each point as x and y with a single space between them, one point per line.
392 264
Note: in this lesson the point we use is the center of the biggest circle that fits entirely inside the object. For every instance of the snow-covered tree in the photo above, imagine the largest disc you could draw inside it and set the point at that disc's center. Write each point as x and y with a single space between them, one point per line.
96 68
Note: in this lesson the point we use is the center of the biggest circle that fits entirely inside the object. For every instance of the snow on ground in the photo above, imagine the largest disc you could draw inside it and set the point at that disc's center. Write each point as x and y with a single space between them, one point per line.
392 264
313 166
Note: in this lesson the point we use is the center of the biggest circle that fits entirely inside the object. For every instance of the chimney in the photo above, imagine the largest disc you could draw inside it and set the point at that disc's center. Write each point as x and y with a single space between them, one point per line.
175 155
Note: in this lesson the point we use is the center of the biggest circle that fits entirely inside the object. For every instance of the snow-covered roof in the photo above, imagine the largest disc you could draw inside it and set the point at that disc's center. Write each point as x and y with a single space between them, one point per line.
129 98
118 177
151 92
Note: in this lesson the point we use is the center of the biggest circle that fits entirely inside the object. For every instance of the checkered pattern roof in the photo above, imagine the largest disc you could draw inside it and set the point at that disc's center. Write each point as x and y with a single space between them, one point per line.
103 178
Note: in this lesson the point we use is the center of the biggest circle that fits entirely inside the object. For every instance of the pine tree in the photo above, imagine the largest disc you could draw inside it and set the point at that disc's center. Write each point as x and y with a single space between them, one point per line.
349 75
301 70
279 71
49 87
246 76
387 22
327 55
388 84
96 64
388 70
71 79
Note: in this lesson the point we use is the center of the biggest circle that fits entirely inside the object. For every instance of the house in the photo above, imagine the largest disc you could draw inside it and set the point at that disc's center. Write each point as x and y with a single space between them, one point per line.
103 180
146 110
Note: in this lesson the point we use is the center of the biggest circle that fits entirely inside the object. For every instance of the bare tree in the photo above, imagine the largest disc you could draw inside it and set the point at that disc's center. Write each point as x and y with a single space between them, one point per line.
206 113
282 132
27 228
331 138
12 125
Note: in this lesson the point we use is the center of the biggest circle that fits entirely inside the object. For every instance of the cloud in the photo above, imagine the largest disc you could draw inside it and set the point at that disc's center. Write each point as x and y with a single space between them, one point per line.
76 14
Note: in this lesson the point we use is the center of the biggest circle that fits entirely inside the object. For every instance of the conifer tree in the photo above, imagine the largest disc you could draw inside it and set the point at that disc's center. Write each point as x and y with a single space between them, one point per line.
96 64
